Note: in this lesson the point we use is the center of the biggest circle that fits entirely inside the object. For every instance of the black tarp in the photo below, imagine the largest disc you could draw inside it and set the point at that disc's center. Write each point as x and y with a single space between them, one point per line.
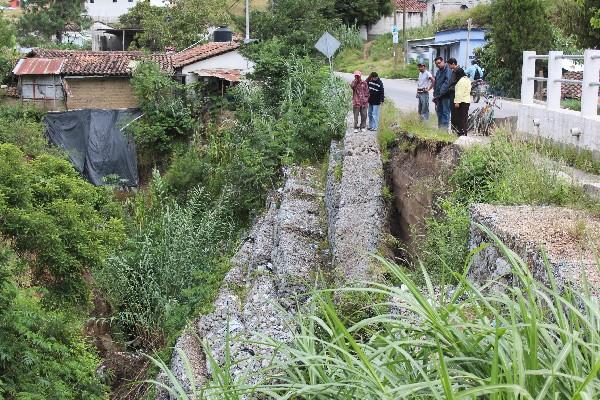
95 142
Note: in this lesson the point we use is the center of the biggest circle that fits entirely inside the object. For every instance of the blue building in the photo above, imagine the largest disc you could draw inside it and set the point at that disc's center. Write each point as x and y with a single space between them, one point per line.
457 43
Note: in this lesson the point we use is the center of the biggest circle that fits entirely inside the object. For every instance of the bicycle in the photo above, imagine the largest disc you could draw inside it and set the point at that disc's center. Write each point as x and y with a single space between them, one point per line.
481 120
479 88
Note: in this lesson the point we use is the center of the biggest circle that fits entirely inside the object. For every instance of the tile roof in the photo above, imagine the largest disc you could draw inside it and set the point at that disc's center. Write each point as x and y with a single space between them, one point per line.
202 52
411 5
109 63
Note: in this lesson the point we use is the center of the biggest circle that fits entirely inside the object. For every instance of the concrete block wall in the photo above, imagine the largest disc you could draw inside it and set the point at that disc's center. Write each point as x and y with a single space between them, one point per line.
101 92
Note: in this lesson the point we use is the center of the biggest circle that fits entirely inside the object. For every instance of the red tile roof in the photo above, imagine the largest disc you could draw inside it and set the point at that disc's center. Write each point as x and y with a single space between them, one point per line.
202 52
411 5
109 63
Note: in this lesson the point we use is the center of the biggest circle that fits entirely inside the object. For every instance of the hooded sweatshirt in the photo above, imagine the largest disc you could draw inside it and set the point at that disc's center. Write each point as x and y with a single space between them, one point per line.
376 94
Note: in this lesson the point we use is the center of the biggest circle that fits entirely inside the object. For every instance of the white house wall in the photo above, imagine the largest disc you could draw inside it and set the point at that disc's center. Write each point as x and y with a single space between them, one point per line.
109 11
230 60
384 25
436 8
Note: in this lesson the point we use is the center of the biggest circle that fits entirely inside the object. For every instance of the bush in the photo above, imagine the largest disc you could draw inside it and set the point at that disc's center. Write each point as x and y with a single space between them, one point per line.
172 249
504 172
22 126
65 224
42 353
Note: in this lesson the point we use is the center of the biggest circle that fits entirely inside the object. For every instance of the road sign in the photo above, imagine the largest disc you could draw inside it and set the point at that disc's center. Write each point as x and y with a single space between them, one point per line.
394 28
327 45
395 37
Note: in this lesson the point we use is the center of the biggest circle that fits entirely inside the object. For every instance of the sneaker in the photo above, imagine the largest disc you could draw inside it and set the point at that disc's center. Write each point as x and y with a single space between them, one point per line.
363 130
355 130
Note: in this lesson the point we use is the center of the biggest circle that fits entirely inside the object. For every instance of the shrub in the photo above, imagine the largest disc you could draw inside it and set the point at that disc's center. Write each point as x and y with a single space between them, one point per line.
505 172
22 126
63 222
42 353
172 249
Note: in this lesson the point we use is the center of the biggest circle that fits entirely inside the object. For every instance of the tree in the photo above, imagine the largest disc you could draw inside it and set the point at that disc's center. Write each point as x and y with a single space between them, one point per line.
298 23
182 24
47 18
7 47
581 18
517 25
362 12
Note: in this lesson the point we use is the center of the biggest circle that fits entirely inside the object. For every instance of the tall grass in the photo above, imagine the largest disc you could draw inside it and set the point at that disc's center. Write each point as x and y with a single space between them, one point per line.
463 342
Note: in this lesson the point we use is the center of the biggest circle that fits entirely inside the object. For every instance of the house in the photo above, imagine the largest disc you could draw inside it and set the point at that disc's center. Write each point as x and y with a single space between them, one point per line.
456 43
109 11
220 60
415 17
418 13
14 3
67 80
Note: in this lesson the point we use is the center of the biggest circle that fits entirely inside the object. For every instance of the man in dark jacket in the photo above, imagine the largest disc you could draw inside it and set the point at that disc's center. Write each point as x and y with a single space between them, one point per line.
376 98
441 93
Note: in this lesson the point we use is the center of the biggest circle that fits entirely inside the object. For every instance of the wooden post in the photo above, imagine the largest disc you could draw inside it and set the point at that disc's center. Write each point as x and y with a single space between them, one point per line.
404 28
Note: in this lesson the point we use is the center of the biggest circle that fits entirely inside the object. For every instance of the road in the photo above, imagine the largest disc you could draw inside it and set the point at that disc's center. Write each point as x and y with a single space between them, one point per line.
403 91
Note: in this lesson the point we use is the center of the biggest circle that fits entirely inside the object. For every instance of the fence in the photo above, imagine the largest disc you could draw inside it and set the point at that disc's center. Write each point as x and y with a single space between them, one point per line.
578 128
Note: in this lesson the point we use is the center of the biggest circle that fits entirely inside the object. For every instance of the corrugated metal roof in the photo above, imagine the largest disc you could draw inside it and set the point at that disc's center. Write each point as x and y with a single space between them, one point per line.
231 75
39 66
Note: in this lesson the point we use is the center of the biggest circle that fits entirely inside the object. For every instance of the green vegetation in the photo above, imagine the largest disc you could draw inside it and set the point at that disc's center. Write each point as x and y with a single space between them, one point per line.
42 353
45 20
376 56
363 12
582 159
531 341
503 172
180 25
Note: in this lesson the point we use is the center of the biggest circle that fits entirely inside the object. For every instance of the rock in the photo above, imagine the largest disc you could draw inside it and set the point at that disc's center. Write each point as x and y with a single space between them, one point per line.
567 236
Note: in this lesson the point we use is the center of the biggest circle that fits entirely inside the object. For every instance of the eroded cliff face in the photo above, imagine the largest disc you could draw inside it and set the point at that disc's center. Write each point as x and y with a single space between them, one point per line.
310 228
416 172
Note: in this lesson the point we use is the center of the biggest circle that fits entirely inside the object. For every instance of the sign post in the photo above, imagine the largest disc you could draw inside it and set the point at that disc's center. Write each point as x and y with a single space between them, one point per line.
395 41
328 45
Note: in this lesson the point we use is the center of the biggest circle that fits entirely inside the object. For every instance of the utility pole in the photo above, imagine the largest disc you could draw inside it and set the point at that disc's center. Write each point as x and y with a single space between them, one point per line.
404 28
247 40
469 26
393 34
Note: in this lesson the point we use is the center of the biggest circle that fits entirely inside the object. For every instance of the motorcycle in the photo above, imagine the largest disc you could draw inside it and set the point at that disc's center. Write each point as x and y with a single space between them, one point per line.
478 88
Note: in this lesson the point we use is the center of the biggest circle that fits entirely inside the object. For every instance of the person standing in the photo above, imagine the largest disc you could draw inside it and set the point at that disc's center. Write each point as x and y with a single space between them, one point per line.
474 72
441 95
425 84
376 98
462 100
360 101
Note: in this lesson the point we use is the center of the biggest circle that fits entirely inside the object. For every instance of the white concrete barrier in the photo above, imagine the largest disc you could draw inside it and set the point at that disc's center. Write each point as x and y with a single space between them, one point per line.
577 128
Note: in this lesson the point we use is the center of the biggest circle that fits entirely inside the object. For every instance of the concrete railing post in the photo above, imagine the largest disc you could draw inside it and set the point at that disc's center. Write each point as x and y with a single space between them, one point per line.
528 85
589 88
554 74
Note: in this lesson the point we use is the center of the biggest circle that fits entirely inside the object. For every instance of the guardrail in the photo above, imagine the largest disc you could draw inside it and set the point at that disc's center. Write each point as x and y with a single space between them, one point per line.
589 84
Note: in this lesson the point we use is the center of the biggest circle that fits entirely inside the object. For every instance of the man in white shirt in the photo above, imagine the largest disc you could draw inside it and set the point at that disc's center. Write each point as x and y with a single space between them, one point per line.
424 86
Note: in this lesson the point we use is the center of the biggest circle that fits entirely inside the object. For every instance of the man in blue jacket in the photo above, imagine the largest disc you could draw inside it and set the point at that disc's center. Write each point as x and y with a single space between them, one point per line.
441 94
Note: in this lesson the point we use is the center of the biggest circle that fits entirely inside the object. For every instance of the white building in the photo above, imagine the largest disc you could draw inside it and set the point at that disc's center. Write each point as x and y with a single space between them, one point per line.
418 13
109 11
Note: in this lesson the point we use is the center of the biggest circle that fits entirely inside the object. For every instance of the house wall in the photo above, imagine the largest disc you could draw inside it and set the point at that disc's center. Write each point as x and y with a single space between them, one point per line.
436 8
110 10
230 60
384 25
102 92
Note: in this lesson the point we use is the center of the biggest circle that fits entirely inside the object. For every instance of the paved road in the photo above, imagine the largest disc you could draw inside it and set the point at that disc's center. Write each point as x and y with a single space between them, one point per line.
403 92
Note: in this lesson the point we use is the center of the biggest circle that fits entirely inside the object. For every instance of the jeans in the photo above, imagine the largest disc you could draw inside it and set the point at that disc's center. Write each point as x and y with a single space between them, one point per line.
443 112
362 111
374 110
423 105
